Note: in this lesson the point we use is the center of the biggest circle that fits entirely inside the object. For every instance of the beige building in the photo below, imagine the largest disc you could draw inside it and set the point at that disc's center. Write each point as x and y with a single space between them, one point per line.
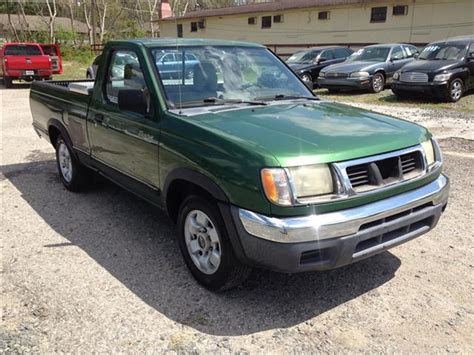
286 25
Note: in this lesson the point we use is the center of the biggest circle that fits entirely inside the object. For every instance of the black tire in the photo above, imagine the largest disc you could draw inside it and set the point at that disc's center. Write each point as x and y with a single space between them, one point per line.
80 176
307 80
7 82
88 75
455 90
378 83
334 91
230 272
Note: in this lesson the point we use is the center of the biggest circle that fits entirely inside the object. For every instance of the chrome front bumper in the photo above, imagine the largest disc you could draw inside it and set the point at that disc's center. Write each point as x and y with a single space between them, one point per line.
345 222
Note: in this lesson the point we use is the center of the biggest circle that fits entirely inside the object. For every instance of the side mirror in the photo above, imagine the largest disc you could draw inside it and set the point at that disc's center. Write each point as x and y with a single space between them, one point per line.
416 55
470 57
132 100
322 59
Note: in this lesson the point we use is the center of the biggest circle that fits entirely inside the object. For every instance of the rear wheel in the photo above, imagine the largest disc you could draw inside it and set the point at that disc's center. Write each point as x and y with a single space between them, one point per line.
88 75
8 82
206 247
73 175
378 83
455 90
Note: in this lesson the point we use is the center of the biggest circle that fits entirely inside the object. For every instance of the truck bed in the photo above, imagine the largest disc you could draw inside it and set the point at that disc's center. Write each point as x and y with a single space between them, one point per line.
66 101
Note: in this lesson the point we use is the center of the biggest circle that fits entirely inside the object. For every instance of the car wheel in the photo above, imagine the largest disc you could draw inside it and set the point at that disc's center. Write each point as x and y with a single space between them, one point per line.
378 83
88 75
206 247
73 175
308 80
334 91
455 90
7 82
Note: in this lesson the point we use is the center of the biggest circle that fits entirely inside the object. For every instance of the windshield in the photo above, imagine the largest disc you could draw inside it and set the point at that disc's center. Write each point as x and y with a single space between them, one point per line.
303 57
191 76
21 49
443 51
370 54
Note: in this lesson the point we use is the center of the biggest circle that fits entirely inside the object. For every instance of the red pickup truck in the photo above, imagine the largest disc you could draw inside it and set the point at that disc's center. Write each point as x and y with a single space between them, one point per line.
24 61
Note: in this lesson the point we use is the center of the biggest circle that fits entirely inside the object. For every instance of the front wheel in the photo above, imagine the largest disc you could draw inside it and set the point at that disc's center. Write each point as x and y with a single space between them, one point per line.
378 83
455 90
206 247
73 175
308 80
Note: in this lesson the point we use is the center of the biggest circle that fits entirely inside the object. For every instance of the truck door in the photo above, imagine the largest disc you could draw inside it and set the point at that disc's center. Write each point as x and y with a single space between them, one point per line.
124 143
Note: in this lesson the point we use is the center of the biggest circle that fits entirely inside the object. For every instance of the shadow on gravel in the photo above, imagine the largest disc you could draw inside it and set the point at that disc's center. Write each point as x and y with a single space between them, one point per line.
135 243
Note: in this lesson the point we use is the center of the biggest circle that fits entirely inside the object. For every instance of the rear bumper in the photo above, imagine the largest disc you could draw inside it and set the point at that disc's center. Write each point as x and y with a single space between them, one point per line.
331 240
345 83
21 74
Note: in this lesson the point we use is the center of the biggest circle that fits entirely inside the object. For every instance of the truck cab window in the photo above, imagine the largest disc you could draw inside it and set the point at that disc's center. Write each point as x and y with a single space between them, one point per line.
124 72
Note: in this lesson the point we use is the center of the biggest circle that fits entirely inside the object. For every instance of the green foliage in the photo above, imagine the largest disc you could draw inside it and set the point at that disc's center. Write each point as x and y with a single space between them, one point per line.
80 54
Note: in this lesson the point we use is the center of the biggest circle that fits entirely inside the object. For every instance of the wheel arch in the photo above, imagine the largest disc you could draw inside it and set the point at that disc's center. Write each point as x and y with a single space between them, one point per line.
56 128
183 181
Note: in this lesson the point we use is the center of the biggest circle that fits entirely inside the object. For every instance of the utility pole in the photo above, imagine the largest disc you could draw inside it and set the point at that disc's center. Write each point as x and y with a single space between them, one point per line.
93 10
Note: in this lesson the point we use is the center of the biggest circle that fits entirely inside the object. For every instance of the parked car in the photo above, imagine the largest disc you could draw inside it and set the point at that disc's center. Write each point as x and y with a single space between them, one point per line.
24 61
170 64
252 167
54 53
91 71
308 63
444 69
369 68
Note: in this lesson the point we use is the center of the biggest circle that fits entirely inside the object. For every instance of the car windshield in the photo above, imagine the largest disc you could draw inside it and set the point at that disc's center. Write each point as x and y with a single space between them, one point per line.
305 57
370 54
443 51
207 75
21 49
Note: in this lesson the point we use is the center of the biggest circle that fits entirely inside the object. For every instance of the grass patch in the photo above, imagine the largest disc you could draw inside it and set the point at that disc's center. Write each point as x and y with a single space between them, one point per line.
387 98
72 70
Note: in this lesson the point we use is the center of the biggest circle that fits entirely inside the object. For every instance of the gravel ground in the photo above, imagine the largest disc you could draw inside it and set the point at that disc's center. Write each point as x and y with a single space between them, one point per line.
101 271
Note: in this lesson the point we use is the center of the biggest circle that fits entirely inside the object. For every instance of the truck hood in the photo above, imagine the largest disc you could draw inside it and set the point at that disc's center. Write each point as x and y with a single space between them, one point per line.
308 133
428 66
352 67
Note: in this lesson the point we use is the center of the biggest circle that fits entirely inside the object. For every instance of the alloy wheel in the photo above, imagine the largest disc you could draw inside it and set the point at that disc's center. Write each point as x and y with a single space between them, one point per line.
202 242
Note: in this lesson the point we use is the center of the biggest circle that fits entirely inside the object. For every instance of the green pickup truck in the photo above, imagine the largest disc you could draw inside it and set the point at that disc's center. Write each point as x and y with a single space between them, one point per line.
253 168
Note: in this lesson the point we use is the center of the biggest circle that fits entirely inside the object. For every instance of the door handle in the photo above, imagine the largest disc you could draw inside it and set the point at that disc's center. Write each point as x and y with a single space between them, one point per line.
99 118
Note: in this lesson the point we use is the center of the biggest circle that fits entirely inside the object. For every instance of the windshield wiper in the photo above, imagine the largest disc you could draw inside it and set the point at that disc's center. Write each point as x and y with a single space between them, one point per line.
212 100
288 97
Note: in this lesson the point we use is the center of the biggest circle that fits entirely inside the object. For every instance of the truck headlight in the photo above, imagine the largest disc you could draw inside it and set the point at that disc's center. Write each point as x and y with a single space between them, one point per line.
311 180
429 151
360 74
442 77
276 186
396 76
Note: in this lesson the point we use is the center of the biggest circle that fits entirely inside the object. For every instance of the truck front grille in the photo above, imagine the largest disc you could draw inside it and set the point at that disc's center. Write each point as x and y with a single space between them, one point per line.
378 173
413 77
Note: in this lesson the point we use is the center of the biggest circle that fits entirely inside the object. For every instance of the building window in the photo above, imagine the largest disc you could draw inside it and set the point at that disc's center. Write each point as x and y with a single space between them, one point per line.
252 20
323 15
266 21
179 30
202 24
400 10
194 26
378 14
278 18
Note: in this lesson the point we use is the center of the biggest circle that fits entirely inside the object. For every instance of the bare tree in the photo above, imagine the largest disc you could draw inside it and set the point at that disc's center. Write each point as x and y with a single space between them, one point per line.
88 19
152 6
50 17
10 22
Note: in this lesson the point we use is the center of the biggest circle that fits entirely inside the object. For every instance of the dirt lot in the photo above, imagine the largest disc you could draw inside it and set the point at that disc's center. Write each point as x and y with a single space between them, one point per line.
101 271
